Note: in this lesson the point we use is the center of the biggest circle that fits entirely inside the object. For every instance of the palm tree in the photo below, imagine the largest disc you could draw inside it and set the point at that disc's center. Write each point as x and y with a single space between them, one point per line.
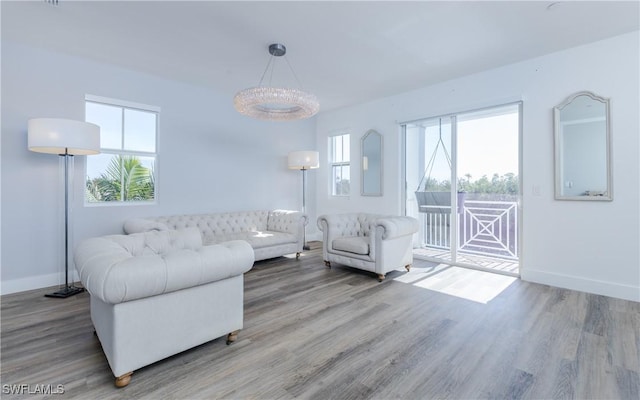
125 179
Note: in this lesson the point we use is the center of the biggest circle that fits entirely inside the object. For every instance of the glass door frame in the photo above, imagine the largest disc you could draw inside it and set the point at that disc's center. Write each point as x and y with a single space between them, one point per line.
453 234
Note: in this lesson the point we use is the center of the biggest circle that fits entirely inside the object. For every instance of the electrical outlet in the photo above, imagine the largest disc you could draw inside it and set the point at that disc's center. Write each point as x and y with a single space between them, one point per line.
535 190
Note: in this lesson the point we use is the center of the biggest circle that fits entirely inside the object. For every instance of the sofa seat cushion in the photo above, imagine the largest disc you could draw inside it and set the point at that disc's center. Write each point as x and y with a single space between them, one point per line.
353 244
257 239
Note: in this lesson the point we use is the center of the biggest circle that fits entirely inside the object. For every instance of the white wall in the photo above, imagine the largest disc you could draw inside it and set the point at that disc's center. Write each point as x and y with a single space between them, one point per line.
210 158
587 246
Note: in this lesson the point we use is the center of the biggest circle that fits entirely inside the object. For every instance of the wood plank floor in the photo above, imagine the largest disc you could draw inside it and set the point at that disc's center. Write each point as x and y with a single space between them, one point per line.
317 333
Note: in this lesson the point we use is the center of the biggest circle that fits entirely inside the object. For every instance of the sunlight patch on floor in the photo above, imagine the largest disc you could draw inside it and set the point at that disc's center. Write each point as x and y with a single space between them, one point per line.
478 286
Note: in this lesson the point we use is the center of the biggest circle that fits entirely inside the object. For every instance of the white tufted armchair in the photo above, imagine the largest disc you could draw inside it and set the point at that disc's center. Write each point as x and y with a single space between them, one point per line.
370 242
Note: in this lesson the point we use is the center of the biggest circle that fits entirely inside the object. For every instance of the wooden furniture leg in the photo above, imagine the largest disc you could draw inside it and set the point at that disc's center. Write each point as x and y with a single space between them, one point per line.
123 380
232 337
408 267
380 277
327 263
297 255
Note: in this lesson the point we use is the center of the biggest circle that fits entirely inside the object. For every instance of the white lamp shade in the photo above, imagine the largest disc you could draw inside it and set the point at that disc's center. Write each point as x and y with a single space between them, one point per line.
306 159
60 136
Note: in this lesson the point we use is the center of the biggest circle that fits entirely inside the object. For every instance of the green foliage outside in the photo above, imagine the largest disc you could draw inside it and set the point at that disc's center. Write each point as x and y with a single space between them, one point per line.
342 187
125 179
498 184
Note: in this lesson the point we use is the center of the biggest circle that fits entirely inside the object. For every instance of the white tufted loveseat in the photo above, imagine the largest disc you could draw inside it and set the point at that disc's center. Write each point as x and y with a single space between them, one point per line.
155 294
270 233
375 243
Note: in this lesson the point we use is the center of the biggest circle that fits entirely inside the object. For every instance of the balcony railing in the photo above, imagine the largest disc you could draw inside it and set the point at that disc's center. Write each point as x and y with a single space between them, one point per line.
485 227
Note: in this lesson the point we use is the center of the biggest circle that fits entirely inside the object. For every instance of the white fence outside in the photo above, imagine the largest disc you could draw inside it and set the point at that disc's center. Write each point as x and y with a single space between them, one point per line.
487 228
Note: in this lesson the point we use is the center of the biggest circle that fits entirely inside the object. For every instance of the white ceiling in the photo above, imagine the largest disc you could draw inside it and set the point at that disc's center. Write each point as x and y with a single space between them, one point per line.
344 52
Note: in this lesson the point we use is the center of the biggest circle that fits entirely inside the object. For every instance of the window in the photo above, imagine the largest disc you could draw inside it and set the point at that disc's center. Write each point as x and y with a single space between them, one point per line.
339 148
124 171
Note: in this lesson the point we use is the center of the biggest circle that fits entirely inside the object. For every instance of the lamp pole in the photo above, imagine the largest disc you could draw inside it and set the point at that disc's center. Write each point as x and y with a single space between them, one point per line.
304 189
68 290
305 246
304 160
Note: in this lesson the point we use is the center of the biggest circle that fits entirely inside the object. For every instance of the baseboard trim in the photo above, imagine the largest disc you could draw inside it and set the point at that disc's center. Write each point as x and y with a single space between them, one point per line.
34 282
611 289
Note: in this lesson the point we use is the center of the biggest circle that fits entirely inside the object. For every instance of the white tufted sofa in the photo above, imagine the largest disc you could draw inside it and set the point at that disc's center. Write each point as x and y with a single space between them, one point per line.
155 294
270 233
370 242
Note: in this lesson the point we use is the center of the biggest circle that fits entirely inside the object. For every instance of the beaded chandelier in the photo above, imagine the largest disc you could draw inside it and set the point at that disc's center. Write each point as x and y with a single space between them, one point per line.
276 103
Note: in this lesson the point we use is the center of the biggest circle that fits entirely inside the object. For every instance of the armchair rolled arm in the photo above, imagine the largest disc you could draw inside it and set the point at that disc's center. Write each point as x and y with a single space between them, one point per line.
396 226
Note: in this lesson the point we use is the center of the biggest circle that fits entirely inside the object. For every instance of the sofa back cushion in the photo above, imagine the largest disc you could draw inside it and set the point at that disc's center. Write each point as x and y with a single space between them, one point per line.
137 225
351 224
221 224
158 242
366 223
286 221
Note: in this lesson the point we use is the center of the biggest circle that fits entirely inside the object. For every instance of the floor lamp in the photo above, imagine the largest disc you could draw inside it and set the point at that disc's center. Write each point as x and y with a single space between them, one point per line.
66 138
304 160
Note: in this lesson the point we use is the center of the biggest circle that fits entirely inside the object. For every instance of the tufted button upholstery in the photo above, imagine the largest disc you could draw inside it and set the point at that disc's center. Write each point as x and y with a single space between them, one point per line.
161 292
281 231
211 225
121 268
285 221
362 224
376 243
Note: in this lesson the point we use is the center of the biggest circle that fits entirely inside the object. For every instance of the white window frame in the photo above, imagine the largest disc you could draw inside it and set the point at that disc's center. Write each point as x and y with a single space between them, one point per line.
333 164
127 105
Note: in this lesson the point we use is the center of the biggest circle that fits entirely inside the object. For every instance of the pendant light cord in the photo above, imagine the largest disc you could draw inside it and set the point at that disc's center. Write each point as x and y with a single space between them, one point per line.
432 160
265 71
294 73
272 64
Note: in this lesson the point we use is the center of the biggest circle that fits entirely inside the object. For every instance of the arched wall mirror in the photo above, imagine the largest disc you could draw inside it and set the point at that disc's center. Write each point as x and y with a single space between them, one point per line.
371 164
582 144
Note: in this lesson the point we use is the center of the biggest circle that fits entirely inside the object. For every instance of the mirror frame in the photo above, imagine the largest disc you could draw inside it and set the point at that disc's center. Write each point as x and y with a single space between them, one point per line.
558 149
370 133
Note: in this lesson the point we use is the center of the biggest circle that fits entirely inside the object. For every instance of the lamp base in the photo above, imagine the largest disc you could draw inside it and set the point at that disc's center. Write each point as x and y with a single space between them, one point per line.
65 292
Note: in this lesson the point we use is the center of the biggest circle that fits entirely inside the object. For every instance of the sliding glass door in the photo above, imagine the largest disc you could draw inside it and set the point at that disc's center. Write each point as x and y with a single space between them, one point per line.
463 183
